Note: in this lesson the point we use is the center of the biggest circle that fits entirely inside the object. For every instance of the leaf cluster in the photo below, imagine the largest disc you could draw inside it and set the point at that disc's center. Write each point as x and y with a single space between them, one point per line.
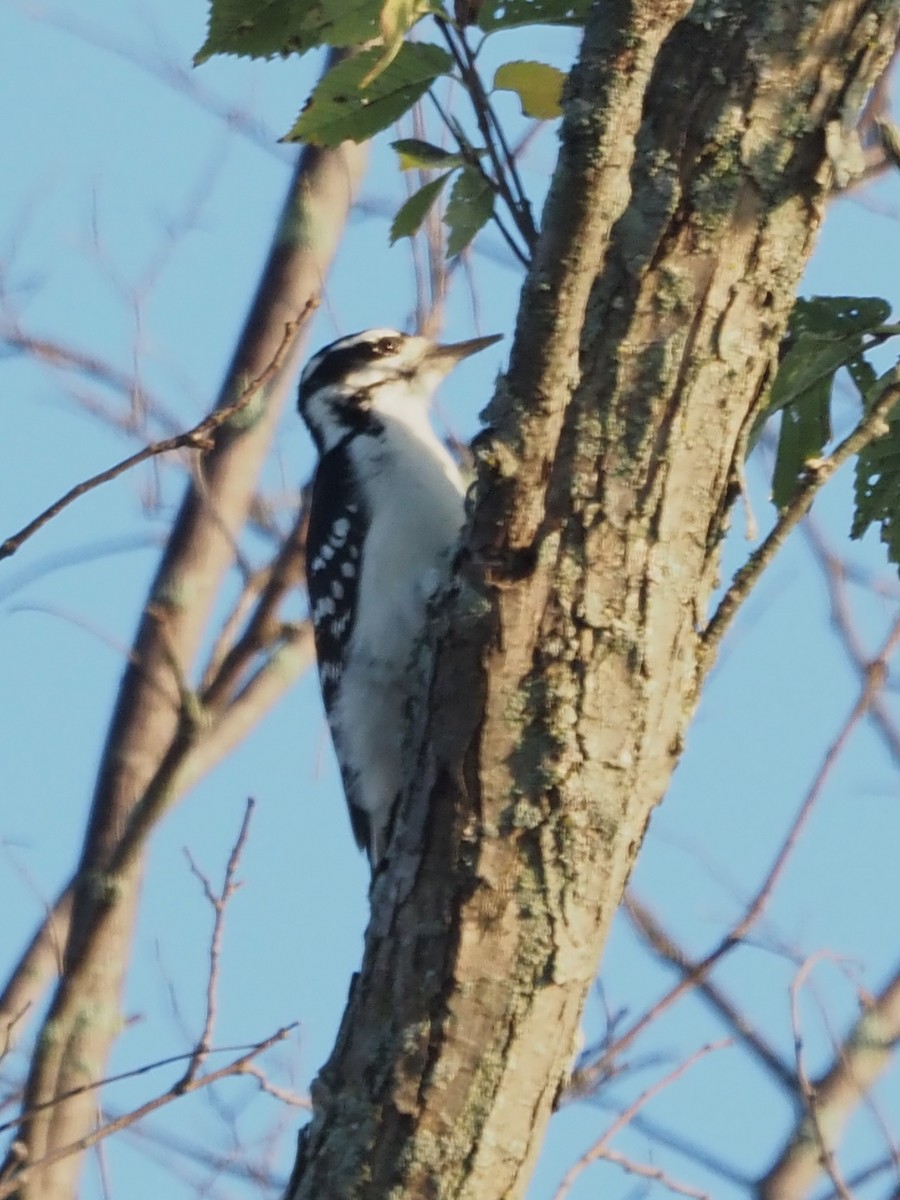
830 337
387 68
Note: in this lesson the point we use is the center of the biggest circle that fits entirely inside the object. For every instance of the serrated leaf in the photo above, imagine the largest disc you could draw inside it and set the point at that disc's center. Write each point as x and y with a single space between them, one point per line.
503 14
878 491
805 431
825 333
538 86
263 28
414 153
410 216
838 316
395 20
340 108
877 483
810 362
863 375
469 208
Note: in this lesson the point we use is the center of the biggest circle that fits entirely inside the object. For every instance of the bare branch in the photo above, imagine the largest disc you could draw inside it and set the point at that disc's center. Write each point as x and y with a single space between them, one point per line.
60 357
40 962
136 1072
872 426
199 438
645 1171
283 1095
599 1148
830 1100
17 1173
835 574
653 933
219 904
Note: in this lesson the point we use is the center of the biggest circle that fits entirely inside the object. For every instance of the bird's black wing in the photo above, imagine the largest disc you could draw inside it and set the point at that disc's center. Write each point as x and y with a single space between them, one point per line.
334 546
334 551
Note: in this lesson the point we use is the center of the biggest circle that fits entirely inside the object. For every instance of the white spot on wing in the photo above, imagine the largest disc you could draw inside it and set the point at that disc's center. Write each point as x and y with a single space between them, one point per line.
325 608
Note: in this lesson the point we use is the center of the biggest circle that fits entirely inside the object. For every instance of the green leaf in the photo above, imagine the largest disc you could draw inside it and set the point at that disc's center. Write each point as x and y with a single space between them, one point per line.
809 362
409 218
538 86
502 14
863 375
263 28
415 153
838 316
877 484
805 431
340 108
824 334
469 208
395 20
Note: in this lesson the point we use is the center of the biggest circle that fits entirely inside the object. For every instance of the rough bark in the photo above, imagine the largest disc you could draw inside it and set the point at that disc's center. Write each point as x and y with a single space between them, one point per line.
690 184
151 732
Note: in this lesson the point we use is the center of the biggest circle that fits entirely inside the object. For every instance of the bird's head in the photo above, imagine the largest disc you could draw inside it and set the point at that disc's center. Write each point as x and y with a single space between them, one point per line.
360 380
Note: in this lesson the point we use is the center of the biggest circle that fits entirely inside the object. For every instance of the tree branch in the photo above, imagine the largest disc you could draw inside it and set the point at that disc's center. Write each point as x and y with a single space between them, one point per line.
865 1053
199 438
872 426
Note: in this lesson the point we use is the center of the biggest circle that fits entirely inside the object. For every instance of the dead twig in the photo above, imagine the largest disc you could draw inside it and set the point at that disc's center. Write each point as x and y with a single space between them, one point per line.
600 1147
19 1173
219 904
201 438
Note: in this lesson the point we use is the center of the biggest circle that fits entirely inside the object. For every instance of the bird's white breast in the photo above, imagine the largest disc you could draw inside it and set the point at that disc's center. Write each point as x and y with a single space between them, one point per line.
415 497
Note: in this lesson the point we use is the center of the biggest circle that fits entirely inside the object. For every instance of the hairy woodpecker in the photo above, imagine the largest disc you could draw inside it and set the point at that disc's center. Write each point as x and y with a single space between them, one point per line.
385 517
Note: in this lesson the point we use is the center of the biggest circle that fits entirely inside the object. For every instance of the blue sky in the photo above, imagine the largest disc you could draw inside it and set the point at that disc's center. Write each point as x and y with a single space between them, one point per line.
103 157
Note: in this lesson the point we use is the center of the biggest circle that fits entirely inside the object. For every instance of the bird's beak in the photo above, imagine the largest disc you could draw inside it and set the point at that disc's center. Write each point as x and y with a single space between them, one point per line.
443 358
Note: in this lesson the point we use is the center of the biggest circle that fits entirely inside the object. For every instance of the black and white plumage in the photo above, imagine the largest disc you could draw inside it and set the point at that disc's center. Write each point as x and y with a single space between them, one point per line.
385 518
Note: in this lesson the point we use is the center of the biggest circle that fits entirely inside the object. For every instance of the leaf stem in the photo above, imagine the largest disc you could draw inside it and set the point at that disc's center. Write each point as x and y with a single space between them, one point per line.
519 211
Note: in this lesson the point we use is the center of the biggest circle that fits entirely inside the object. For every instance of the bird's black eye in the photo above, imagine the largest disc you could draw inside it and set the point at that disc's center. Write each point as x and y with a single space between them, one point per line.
387 345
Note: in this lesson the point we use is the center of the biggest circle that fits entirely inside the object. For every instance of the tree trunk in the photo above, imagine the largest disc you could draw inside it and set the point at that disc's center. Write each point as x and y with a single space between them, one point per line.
690 184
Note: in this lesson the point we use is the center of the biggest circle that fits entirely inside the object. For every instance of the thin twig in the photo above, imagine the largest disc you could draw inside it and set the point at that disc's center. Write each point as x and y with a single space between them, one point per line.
836 576
198 438
807 1089
583 1080
645 1171
660 1135
237 1067
133 1073
664 946
223 674
475 91
61 357
219 905
872 426
860 1057
520 203
294 1099
599 1147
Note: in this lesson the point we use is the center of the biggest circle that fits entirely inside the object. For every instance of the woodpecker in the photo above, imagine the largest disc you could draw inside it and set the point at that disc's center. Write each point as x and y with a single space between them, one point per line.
384 522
